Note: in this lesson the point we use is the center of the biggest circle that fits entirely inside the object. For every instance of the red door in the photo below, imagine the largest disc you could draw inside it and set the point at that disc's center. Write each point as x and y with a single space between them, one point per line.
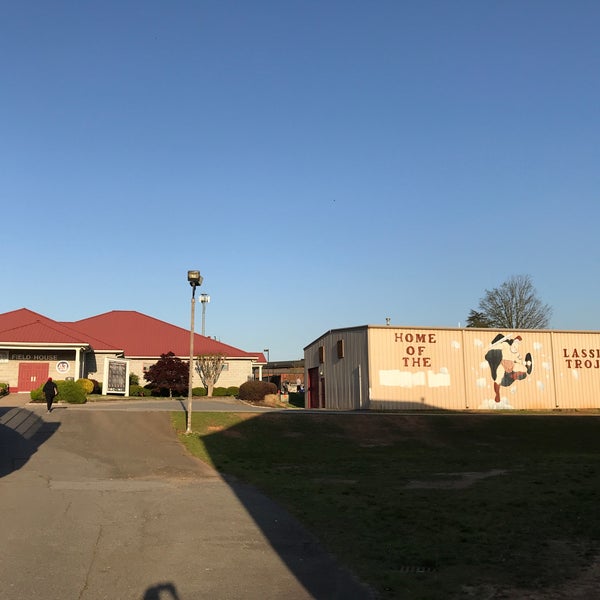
32 375
313 388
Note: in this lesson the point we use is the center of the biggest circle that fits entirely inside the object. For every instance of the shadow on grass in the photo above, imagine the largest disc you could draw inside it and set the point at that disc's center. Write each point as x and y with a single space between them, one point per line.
317 569
420 505
22 432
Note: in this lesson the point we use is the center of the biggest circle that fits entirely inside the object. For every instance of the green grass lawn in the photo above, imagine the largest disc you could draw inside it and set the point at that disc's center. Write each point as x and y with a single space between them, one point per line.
426 506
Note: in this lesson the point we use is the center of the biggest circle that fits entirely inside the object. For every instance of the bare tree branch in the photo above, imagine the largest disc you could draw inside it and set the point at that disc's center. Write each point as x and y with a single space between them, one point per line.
515 305
209 367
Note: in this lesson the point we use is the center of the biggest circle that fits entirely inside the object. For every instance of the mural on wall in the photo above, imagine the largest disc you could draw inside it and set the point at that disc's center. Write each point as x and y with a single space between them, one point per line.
506 363
484 369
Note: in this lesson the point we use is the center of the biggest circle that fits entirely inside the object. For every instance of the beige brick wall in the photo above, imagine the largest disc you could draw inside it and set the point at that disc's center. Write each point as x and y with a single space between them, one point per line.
238 371
9 373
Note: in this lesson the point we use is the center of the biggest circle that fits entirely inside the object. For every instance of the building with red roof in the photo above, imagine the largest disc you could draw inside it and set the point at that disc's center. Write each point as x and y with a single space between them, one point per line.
34 347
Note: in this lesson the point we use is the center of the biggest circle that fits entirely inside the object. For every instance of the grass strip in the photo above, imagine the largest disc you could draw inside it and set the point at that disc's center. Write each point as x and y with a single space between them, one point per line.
426 506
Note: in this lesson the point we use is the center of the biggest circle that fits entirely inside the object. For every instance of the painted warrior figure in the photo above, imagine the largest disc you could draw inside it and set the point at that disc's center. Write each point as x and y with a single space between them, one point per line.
506 364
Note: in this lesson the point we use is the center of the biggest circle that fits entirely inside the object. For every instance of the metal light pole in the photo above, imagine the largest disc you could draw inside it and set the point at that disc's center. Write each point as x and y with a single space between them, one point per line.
195 280
204 299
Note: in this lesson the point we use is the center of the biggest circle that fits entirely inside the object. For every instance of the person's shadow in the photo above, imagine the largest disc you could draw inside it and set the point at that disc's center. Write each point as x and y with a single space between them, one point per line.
156 592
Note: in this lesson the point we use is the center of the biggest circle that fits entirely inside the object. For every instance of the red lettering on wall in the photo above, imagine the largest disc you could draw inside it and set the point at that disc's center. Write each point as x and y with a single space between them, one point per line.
573 358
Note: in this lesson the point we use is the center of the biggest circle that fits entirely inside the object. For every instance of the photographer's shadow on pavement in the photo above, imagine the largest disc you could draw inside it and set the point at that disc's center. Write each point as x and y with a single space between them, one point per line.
161 591
22 432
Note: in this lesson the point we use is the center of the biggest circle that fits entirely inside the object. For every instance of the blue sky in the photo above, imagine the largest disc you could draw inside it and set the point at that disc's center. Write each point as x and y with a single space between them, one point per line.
324 164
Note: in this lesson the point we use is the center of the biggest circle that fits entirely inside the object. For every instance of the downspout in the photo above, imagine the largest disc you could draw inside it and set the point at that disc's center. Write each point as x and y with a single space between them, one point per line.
462 350
360 392
553 369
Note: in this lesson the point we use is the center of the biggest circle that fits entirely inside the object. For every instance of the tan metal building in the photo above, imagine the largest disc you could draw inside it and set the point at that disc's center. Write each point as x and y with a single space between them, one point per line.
421 368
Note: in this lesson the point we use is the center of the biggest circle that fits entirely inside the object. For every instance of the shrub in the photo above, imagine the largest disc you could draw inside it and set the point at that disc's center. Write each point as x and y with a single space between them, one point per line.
87 385
199 391
138 390
255 391
4 388
219 391
97 386
233 390
37 395
133 379
71 392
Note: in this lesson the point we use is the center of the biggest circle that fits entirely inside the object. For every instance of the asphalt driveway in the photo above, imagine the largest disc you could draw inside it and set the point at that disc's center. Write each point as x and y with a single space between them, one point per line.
106 504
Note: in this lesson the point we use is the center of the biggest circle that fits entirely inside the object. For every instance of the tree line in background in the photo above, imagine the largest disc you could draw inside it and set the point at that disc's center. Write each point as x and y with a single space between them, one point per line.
512 305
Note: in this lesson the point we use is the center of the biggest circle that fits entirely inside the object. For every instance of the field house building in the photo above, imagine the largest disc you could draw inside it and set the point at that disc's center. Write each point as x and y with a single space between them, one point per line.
34 347
418 368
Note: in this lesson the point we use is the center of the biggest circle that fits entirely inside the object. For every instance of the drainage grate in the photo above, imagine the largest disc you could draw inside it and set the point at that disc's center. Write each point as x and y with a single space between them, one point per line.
416 569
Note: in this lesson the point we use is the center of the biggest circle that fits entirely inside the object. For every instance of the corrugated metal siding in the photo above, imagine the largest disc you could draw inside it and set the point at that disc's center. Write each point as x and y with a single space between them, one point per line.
530 391
577 369
453 369
346 384
416 368
346 378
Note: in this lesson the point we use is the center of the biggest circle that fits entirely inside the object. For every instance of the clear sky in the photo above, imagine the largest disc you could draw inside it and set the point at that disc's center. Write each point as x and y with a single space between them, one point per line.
323 163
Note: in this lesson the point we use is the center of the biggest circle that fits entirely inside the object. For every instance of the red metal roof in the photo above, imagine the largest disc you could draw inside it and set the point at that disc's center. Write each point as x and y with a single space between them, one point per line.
140 335
22 316
128 331
26 326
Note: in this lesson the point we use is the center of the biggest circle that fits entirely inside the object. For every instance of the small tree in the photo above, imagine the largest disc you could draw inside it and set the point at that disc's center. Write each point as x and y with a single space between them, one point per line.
513 305
169 372
209 367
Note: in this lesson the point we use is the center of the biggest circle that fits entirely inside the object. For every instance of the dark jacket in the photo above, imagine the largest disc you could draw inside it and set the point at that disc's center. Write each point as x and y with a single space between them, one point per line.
50 390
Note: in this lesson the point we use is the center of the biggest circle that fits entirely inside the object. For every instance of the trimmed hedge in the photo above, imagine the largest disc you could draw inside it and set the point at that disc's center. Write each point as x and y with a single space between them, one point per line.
4 389
199 391
87 385
71 392
37 395
219 391
68 391
255 391
233 390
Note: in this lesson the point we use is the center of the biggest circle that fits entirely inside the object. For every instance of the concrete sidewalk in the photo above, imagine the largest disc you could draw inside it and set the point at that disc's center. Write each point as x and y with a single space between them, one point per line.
11 400
213 404
103 505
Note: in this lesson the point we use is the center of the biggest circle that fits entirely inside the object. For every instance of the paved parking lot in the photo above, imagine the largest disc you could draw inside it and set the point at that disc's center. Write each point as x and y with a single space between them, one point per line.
100 504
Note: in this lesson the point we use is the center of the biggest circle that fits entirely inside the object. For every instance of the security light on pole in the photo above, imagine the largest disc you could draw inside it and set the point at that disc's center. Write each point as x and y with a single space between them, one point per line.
195 279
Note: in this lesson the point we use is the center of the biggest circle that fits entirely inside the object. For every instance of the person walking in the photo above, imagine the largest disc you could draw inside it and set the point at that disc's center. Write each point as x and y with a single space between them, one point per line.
50 391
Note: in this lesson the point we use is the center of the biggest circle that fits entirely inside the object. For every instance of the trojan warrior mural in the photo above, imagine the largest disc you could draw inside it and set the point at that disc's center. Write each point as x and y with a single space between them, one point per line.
506 364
